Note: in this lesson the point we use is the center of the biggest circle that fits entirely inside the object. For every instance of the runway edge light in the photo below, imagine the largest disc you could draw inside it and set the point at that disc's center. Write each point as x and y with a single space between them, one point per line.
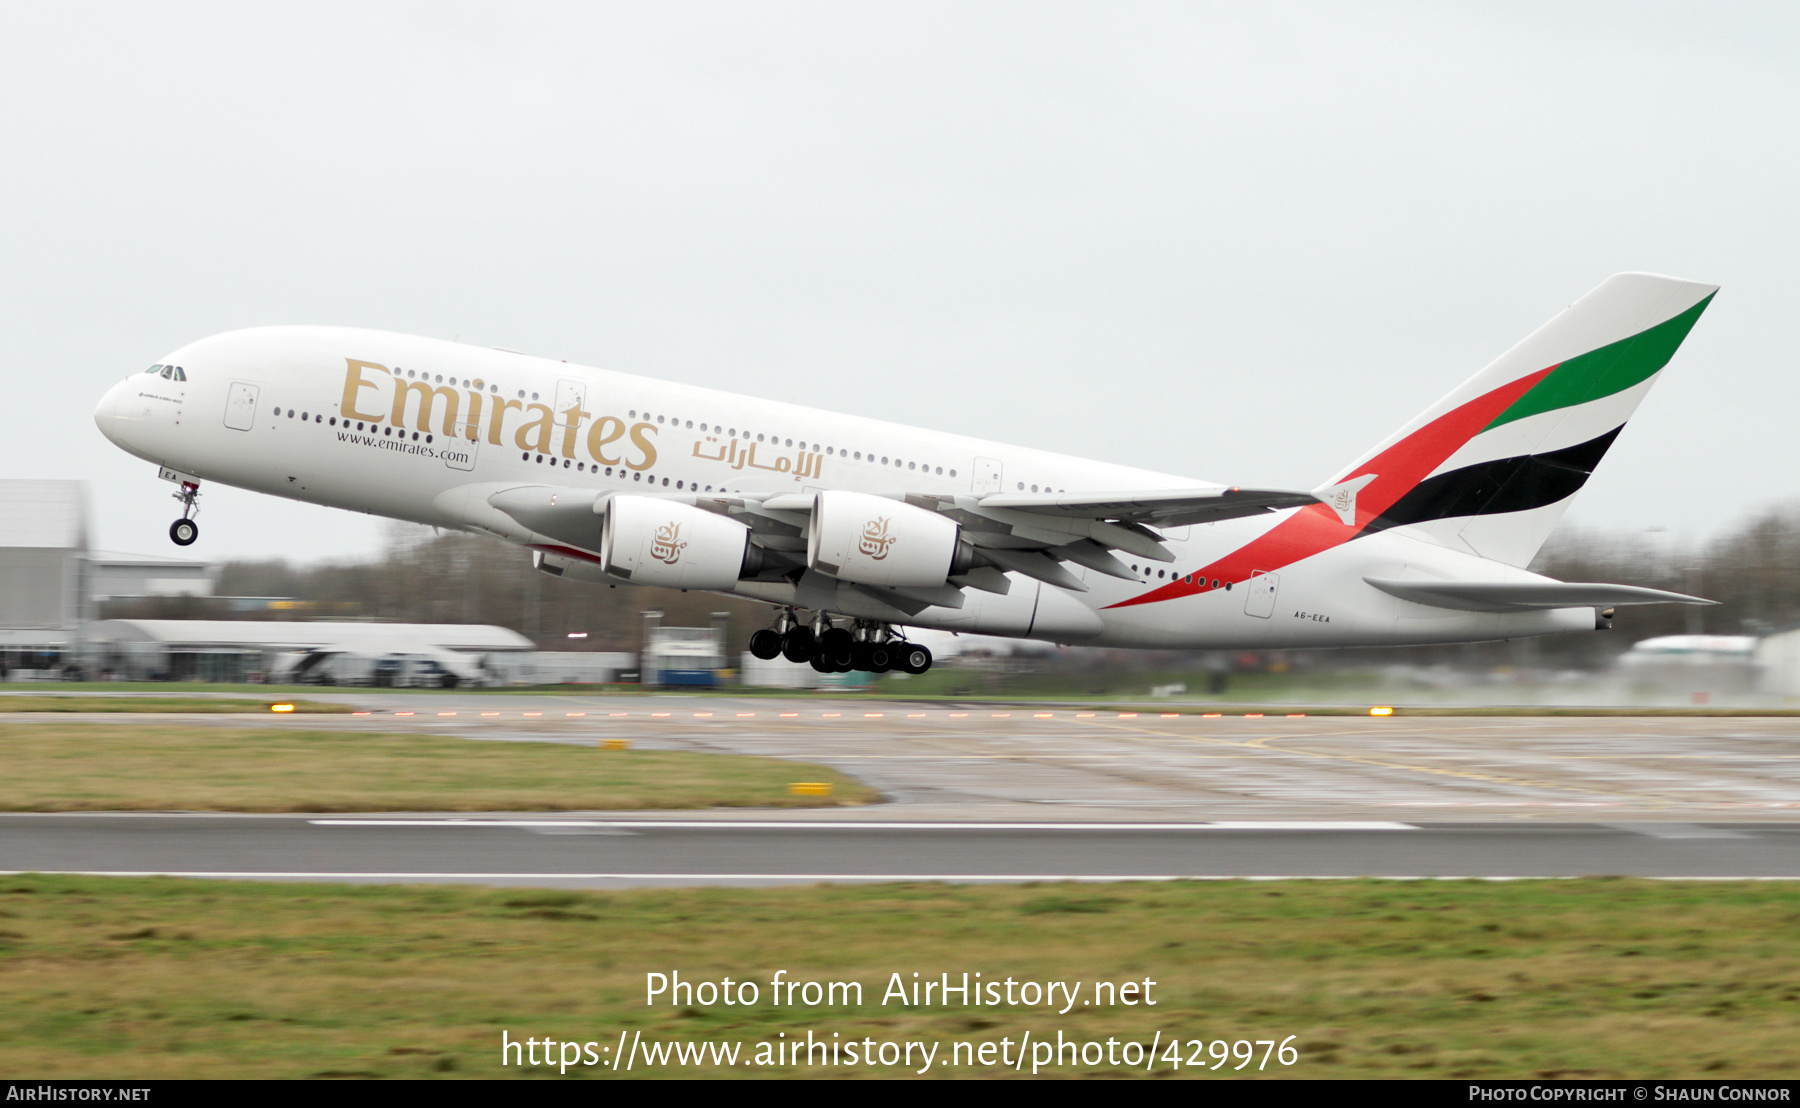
281 707
1383 711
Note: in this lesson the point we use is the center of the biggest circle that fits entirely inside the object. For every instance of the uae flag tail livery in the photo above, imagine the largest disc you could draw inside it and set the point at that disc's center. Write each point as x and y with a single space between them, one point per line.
1489 469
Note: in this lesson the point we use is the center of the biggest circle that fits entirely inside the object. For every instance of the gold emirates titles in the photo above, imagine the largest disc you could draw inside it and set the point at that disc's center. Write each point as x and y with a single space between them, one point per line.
464 411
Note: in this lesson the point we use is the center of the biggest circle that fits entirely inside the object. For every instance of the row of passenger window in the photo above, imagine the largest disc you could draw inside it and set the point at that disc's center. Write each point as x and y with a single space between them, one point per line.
777 440
167 371
675 421
1192 578
624 473
308 417
478 384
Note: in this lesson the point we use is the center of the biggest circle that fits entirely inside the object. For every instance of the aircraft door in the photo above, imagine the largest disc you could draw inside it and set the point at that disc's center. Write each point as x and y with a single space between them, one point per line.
462 448
1259 599
459 451
988 472
569 397
240 406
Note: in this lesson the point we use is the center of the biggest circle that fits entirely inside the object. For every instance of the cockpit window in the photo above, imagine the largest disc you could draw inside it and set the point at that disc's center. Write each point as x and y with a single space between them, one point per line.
156 369
180 374
168 373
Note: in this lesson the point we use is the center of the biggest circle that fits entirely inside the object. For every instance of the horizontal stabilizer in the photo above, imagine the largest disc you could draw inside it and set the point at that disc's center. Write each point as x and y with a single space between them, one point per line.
1526 596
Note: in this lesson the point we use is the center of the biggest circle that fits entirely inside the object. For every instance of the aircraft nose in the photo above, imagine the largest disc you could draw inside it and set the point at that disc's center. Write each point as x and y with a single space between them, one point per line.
110 416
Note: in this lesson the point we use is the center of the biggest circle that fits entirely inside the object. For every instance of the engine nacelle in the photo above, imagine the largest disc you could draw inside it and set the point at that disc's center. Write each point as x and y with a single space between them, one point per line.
657 542
876 541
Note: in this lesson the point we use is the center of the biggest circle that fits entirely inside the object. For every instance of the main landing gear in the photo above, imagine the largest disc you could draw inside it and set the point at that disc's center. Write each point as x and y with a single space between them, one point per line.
184 530
863 644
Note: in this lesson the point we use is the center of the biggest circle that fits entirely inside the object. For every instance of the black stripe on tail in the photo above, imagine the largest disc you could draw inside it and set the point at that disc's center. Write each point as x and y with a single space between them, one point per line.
1505 485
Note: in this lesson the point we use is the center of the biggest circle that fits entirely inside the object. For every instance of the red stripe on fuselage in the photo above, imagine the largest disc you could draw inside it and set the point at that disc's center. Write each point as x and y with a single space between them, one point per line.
1316 528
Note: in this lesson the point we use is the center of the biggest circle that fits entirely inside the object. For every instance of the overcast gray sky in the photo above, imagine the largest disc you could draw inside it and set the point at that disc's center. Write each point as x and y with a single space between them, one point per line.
1239 242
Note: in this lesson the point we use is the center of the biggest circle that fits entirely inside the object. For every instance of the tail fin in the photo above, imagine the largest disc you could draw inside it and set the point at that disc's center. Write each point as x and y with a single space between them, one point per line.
1491 467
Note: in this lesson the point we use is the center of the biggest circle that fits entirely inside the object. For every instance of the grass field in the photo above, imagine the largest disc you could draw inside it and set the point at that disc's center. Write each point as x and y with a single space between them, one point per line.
176 978
57 766
155 688
200 705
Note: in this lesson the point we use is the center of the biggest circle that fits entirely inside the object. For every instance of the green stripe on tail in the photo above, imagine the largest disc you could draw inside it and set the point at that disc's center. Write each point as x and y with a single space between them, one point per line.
1612 368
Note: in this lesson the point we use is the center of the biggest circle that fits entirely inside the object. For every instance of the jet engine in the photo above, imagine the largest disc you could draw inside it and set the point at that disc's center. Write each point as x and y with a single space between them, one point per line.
657 542
872 540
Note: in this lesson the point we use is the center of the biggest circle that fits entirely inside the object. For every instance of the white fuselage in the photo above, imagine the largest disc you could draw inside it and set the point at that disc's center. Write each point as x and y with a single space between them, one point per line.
426 430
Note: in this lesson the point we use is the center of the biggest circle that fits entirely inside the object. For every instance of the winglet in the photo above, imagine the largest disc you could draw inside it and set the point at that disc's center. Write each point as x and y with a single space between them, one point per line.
1341 497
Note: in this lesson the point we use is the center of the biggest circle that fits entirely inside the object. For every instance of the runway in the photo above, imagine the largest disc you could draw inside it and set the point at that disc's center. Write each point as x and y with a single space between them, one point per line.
1024 792
617 853
950 761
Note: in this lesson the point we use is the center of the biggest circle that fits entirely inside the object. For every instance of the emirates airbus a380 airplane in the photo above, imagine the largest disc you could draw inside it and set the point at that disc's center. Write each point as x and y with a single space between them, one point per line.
853 528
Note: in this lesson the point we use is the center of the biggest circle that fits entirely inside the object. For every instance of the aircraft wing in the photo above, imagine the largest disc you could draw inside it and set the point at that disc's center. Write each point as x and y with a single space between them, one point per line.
1035 533
1159 507
1525 596
1038 535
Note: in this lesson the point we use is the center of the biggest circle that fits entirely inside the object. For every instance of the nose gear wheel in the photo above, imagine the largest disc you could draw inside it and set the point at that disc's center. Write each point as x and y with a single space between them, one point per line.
184 531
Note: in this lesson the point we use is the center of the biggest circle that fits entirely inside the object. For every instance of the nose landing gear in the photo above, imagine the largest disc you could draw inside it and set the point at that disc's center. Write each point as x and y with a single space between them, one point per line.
184 530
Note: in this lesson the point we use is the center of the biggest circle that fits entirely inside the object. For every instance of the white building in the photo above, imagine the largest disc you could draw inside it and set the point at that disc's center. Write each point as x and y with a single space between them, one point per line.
1778 663
235 650
563 667
684 656
115 576
44 584
1695 666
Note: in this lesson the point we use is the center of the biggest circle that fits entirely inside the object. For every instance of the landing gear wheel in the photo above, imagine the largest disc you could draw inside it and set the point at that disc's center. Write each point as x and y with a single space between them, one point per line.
881 657
765 644
797 644
912 658
184 530
838 648
822 663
